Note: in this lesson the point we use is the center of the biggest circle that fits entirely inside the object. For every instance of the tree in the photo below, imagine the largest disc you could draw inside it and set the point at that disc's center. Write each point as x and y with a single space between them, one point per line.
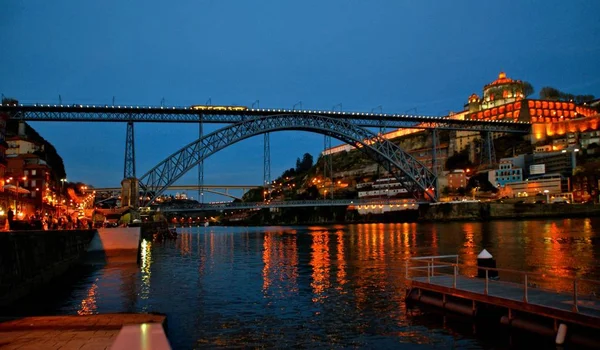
459 161
550 93
528 89
583 98
305 164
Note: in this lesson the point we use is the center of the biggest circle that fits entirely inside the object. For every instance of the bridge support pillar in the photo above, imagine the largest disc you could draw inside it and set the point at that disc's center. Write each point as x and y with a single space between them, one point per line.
267 162
434 161
129 168
488 154
201 166
130 192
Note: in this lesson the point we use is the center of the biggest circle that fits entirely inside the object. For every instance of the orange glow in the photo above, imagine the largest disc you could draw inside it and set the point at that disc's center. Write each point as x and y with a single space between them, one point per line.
320 262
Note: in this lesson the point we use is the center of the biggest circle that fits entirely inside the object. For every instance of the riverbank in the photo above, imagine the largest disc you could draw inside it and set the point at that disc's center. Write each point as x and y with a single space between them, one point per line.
442 212
483 211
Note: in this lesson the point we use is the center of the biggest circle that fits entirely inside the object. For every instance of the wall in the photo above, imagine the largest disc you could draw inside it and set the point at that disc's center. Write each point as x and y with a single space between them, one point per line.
488 211
29 259
114 245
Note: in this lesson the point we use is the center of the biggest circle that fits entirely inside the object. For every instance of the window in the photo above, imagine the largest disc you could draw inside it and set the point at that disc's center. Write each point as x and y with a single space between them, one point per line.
33 181
33 194
33 172
26 172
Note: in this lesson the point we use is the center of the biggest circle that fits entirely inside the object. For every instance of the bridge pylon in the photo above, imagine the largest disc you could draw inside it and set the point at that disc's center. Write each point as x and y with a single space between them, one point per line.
130 184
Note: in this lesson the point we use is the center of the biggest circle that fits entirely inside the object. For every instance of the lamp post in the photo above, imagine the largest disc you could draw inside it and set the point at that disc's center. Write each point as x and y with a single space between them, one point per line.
547 193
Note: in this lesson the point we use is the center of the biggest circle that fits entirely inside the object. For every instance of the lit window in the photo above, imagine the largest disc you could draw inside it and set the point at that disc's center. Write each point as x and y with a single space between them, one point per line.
33 172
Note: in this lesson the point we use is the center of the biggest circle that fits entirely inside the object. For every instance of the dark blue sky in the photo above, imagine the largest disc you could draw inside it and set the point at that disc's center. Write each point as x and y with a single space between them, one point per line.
427 55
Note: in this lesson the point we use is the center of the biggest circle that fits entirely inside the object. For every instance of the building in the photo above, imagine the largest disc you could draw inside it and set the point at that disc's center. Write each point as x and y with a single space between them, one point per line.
17 145
585 188
457 179
507 173
562 162
554 184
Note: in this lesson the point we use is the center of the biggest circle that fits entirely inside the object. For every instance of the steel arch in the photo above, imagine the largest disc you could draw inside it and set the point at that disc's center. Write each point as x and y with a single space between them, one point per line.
411 173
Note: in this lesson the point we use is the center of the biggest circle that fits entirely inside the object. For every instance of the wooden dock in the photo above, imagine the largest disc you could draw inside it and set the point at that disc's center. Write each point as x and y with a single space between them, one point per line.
438 281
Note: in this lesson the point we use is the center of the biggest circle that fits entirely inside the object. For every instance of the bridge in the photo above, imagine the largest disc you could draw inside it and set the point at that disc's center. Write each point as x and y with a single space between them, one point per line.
400 204
222 190
350 127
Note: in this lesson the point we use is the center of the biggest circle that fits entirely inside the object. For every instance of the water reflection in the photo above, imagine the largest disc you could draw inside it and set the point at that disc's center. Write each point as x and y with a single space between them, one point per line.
145 269
280 263
320 264
88 305
340 286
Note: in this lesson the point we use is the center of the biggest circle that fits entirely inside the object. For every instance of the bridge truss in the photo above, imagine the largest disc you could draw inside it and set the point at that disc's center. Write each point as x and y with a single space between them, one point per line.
96 113
412 174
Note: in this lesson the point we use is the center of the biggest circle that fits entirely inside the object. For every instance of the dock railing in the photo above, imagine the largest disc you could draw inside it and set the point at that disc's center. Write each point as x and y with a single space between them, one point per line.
447 268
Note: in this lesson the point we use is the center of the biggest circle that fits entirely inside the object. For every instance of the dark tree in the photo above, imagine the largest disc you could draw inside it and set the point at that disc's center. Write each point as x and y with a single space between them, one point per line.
528 89
549 93
583 98
459 161
305 164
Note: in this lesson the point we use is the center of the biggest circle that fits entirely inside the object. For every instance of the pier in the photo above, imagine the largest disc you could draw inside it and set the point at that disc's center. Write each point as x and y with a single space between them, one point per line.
539 303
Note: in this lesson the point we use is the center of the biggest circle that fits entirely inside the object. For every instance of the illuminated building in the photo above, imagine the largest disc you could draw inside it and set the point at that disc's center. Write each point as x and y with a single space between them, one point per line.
555 184
507 173
585 188
457 179
504 100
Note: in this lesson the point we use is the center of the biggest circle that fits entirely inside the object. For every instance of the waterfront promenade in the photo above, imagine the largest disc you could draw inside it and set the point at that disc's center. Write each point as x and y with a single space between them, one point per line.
92 332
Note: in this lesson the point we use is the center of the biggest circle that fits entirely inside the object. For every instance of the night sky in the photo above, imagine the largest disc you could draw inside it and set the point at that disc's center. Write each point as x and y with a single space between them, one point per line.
424 57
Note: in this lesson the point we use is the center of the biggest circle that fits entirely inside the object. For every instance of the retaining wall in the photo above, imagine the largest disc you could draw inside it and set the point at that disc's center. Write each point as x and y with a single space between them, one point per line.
29 259
489 211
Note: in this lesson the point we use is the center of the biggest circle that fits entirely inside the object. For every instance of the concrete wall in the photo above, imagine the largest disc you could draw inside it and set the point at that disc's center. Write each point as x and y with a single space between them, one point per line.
489 211
114 245
30 259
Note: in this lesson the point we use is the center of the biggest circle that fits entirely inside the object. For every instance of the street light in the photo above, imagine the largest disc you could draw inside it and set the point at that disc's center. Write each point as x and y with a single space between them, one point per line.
547 193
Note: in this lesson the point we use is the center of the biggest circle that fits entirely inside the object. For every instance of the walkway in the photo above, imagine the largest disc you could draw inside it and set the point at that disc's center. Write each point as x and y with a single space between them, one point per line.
578 305
68 332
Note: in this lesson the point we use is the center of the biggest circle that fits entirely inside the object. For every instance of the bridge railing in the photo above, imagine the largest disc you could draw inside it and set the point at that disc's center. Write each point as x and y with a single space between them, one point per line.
428 268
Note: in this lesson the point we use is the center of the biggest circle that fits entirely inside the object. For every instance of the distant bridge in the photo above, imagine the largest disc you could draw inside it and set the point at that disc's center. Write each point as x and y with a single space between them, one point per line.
400 204
222 190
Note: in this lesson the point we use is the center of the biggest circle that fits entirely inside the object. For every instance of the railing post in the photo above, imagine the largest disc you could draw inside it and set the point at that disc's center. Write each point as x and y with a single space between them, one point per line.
525 290
455 273
575 306
486 282
432 272
428 272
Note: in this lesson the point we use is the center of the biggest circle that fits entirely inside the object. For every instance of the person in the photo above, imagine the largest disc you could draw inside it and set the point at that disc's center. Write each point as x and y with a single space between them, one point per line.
11 218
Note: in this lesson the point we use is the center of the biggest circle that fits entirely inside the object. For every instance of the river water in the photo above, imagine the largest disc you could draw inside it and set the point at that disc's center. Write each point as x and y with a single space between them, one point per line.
310 286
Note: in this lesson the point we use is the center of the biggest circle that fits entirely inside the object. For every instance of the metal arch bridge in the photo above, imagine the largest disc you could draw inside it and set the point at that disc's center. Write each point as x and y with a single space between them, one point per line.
412 174
373 203
222 190
129 114
241 115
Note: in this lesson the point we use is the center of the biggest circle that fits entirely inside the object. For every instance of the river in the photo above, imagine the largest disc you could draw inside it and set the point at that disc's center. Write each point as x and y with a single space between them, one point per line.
310 286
